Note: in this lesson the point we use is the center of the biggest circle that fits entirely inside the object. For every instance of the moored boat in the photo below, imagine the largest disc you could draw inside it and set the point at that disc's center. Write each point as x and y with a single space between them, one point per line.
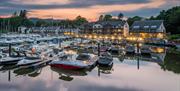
29 60
105 60
130 49
8 60
82 61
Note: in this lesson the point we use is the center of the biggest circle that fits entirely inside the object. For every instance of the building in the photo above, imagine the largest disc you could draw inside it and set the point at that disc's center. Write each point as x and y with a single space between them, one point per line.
148 29
23 29
113 27
53 30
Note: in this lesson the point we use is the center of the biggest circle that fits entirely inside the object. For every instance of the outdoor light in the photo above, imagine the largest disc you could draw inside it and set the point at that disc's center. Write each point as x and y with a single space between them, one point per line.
77 35
90 36
119 38
95 36
112 37
134 38
140 39
100 37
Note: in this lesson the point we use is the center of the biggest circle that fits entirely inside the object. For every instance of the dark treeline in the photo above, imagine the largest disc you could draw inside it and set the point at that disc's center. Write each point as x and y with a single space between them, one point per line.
12 23
63 23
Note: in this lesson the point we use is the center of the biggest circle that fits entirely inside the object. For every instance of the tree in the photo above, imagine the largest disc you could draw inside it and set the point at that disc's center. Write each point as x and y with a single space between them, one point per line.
101 17
171 19
15 14
23 14
107 17
120 16
79 21
133 19
152 18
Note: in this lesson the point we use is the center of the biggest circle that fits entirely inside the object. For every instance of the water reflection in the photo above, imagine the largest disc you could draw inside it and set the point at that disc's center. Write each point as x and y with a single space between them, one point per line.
31 72
66 75
105 69
130 72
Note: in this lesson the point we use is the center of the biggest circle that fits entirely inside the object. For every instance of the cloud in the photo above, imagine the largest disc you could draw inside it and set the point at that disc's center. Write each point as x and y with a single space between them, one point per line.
94 11
90 9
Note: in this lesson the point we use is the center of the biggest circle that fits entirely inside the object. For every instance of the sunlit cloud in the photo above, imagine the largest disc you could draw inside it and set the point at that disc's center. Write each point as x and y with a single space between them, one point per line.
91 9
93 12
41 2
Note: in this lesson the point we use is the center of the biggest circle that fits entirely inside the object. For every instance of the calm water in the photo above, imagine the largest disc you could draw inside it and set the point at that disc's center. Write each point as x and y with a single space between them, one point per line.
124 75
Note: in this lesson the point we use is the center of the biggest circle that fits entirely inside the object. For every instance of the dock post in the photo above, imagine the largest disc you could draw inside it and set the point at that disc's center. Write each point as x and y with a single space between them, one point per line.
99 73
59 43
9 75
98 49
138 63
9 49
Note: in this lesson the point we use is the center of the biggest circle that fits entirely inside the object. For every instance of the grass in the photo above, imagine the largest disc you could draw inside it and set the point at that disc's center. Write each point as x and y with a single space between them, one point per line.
173 37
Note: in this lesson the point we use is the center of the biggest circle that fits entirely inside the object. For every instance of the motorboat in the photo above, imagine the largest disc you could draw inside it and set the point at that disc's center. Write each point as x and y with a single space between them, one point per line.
12 59
105 59
103 48
59 52
75 62
130 49
114 51
30 60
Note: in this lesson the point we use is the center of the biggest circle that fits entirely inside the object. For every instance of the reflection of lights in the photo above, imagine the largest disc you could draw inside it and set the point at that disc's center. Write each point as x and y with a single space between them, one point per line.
140 44
160 50
70 52
119 38
85 36
106 37
85 62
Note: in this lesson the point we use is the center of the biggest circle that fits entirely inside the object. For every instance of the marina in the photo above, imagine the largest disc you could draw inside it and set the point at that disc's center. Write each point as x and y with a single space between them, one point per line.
64 62
89 45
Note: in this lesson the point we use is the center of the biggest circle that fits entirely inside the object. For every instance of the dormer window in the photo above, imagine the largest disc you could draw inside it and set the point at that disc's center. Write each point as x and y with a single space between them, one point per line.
153 27
136 26
146 26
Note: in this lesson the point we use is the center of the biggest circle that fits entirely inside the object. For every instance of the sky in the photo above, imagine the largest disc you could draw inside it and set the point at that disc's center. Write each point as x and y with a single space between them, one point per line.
90 9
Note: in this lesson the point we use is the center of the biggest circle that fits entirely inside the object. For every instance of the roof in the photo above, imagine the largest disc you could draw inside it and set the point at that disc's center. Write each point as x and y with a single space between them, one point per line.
146 26
112 23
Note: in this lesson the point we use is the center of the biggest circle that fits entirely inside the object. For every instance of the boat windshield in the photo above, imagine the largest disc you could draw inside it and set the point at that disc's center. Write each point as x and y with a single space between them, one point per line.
32 58
83 57
105 58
